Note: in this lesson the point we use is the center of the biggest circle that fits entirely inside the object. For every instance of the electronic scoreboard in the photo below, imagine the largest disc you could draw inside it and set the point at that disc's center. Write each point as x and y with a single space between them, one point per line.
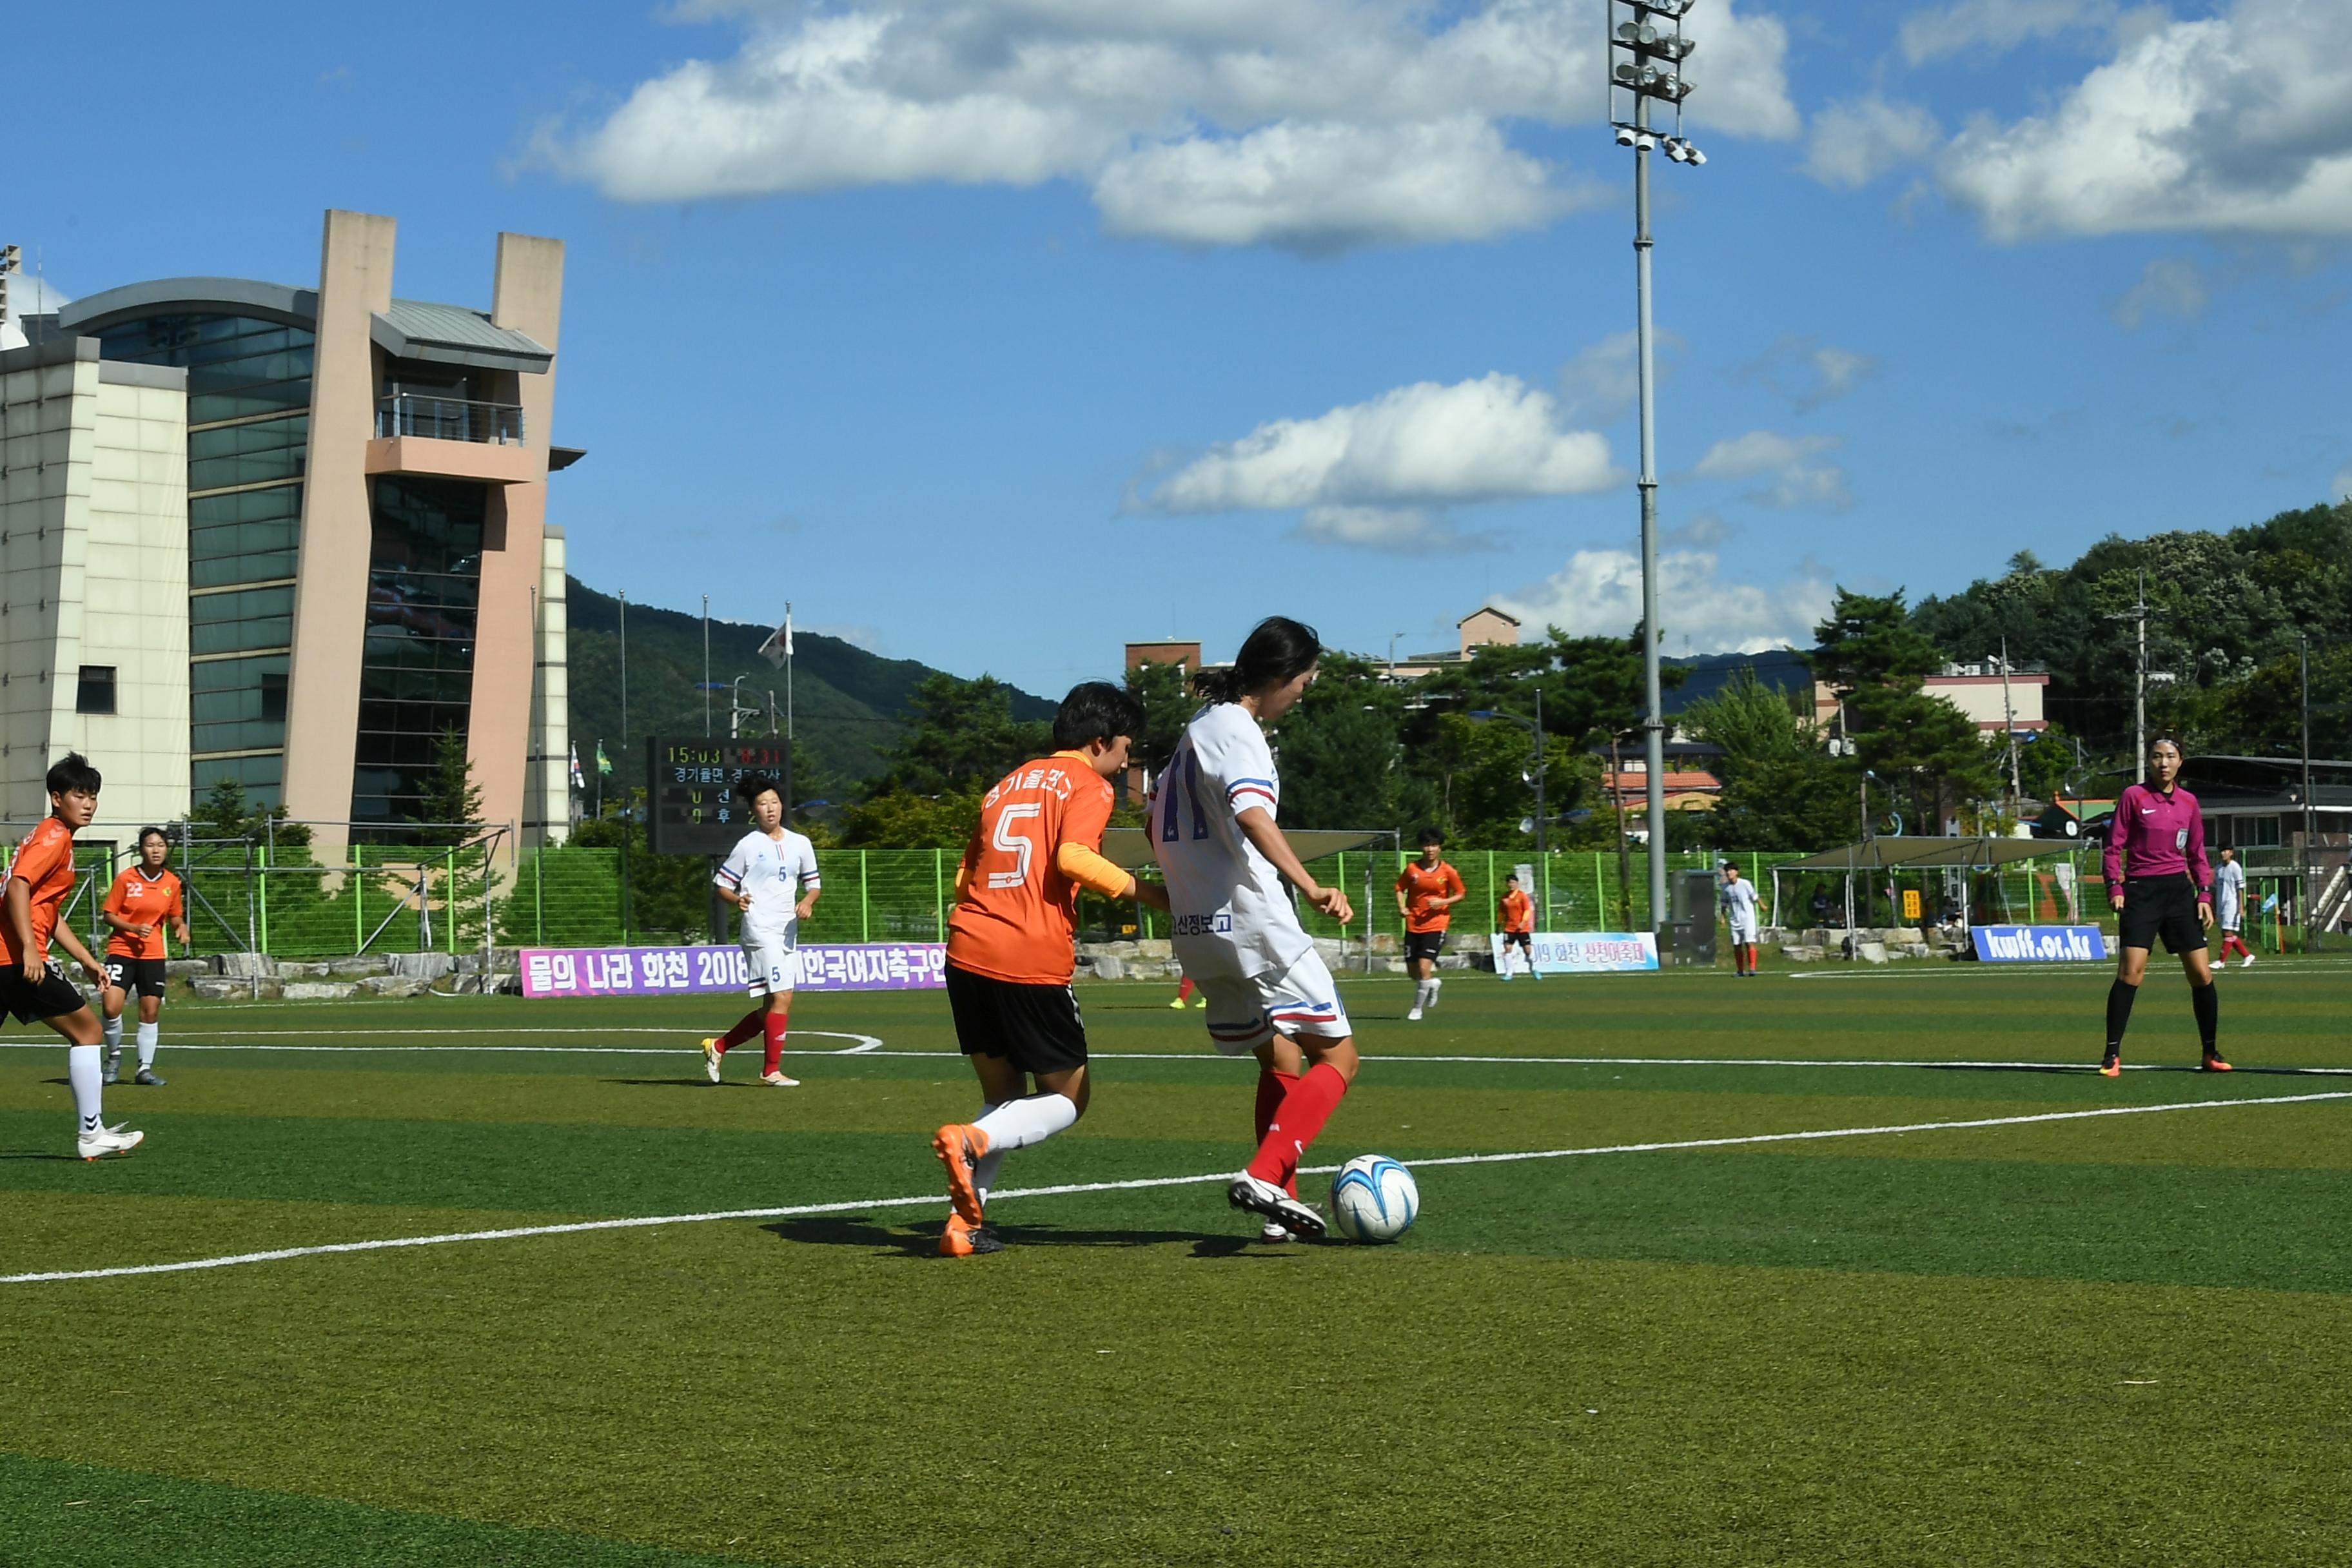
691 791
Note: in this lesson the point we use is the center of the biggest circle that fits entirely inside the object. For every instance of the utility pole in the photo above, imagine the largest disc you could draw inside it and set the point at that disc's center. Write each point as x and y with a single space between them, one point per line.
624 680
2140 689
1652 42
2009 725
706 665
2309 901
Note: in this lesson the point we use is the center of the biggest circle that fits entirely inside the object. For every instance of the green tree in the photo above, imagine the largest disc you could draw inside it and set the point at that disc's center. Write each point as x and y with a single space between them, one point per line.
450 804
1166 692
1338 749
1753 722
1870 641
901 819
961 737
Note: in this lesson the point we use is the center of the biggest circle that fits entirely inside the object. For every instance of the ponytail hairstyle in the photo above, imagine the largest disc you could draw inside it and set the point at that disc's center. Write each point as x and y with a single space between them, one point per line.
1278 651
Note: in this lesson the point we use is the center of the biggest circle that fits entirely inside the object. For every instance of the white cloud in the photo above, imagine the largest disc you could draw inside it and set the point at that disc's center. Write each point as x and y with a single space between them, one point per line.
2239 123
1599 594
1602 381
1997 26
1792 464
2340 487
2170 285
1419 446
1312 123
1807 371
1857 140
1401 529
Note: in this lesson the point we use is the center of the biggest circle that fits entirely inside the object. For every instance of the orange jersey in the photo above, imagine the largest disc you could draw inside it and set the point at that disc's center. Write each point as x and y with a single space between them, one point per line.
44 863
143 902
1422 886
1016 912
1519 911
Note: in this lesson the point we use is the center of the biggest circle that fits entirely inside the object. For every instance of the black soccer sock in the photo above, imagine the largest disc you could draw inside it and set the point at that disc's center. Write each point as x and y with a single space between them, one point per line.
2119 1007
2206 1001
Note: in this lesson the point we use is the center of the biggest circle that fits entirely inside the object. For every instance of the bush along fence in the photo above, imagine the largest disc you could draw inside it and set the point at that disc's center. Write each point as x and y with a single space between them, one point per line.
251 896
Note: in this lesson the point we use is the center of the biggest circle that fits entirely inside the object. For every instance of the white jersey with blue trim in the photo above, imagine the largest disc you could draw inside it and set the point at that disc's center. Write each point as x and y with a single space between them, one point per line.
1230 914
1739 904
772 873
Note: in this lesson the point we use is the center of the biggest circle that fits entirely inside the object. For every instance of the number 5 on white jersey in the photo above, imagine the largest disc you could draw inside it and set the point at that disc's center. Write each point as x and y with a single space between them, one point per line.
1020 844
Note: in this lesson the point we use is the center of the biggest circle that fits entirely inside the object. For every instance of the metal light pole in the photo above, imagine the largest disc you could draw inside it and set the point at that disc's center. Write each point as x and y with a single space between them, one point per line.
2008 723
1649 69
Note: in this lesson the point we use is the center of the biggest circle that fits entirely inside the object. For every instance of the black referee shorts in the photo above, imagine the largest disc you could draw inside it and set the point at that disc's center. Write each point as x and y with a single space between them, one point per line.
1037 1028
53 997
2162 907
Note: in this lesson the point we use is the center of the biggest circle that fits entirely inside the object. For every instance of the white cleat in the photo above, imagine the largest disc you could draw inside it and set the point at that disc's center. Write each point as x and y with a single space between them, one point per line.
2247 962
108 1140
1270 1231
1435 987
778 1080
1413 1016
710 1058
1276 1205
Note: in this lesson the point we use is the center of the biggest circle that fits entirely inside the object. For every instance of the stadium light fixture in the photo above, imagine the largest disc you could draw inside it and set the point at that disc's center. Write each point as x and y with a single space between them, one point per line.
1646 48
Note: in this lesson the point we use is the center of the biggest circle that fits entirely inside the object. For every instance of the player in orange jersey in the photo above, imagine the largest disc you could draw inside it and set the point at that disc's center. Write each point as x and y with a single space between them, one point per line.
1426 891
1011 947
1518 919
142 899
32 986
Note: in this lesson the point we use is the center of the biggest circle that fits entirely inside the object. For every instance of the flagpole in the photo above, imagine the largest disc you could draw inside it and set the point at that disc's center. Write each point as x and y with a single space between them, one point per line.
788 702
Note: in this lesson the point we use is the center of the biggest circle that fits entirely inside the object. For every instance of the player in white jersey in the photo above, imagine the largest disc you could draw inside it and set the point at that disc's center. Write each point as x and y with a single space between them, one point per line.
1739 910
1212 828
772 878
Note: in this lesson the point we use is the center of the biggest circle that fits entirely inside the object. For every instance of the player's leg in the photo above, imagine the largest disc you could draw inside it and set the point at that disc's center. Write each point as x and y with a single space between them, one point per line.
150 1020
2130 969
83 1037
1303 1003
2205 1001
110 998
749 1025
775 1019
1183 992
1011 1033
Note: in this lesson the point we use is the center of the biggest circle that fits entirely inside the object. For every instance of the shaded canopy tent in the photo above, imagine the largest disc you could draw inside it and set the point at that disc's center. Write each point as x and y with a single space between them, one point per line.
1891 857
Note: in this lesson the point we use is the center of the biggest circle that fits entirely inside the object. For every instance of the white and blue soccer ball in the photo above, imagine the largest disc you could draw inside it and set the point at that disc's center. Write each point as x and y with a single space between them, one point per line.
1373 1198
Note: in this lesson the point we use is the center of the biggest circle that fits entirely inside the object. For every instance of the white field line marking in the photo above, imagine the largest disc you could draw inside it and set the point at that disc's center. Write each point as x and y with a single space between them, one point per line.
1065 1189
867 1045
874 1047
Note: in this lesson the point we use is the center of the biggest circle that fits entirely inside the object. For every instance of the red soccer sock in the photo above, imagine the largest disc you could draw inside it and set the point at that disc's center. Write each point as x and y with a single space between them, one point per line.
1184 989
776 1026
1272 1087
745 1027
1304 1110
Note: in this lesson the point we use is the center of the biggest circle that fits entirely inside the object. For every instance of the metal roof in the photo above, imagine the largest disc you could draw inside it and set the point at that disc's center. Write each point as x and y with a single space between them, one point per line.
452 334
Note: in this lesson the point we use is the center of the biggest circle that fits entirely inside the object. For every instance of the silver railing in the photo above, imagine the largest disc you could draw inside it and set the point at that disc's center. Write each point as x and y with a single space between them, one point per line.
450 419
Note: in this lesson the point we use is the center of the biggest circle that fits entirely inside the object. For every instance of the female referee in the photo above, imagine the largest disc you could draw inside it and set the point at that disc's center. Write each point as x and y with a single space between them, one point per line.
2158 881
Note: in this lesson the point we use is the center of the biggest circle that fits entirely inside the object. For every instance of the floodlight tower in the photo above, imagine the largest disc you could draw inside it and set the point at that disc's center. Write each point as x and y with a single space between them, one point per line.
1646 48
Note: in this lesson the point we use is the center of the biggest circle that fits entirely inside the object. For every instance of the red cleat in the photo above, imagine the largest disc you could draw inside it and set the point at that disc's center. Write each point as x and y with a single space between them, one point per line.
959 1146
2215 1064
2113 1066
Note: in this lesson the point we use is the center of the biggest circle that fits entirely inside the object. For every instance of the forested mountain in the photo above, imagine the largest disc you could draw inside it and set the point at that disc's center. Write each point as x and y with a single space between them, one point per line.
2228 611
850 708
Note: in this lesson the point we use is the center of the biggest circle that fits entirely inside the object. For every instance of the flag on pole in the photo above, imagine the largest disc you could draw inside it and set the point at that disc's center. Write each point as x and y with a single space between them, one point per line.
779 645
578 782
604 762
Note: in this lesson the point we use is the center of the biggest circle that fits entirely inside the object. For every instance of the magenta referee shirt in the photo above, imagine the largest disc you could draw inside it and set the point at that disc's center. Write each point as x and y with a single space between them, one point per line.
2157 834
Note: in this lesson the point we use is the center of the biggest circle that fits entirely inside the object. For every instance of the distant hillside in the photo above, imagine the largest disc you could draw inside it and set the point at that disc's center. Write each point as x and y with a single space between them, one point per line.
848 705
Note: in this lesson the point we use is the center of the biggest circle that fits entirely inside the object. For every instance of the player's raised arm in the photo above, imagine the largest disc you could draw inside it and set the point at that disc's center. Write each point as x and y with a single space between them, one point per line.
1258 825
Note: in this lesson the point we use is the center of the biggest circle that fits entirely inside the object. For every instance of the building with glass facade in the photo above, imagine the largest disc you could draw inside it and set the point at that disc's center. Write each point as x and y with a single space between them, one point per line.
366 547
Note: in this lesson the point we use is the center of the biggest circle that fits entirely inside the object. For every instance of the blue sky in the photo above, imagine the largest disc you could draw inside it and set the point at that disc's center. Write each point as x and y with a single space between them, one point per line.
994 332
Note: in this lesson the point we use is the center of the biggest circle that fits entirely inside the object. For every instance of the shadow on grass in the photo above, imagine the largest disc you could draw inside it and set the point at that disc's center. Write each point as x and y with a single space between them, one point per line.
2079 1068
922 1239
683 1083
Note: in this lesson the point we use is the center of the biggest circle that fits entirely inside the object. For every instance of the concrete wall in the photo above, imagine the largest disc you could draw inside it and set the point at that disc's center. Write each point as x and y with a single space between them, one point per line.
331 597
93 570
548 804
526 297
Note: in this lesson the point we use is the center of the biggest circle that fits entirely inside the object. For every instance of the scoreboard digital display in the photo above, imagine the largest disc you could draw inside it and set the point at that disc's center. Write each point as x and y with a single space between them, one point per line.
691 793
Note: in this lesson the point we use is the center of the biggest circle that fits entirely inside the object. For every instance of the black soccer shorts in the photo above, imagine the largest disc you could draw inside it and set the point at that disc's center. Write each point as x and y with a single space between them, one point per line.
2161 906
1423 944
143 975
53 997
1037 1028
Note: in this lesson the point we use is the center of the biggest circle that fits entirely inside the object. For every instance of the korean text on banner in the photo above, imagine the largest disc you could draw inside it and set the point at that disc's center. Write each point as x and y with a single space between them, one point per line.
705 971
1589 952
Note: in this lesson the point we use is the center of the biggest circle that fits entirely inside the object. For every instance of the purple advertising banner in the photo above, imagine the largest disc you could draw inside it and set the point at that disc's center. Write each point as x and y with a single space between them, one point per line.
703 970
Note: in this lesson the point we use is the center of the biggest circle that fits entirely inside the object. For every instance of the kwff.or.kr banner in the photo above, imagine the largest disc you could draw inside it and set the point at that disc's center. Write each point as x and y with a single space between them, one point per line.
2038 944
702 971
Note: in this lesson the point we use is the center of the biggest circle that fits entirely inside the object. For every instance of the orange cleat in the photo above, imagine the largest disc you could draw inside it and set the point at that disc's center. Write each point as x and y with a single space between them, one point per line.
2112 1067
959 1146
2215 1064
962 1240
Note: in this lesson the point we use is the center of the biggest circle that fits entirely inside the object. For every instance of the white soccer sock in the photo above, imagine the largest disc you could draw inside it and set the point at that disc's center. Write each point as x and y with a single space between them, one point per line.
1017 1123
114 1033
984 1170
147 1035
82 1071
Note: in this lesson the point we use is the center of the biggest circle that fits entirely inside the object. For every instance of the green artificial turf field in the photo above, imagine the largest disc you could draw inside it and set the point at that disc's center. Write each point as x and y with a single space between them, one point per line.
2113 1339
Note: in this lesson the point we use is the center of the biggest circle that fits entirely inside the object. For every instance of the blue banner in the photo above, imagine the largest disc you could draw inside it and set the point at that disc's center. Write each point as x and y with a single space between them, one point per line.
2038 944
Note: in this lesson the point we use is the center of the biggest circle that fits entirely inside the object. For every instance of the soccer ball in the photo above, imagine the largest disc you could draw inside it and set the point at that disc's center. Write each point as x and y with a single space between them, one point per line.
1373 1198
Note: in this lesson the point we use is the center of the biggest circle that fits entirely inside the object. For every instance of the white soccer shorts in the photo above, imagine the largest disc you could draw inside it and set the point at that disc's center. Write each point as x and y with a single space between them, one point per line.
771 965
1244 1014
1746 934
